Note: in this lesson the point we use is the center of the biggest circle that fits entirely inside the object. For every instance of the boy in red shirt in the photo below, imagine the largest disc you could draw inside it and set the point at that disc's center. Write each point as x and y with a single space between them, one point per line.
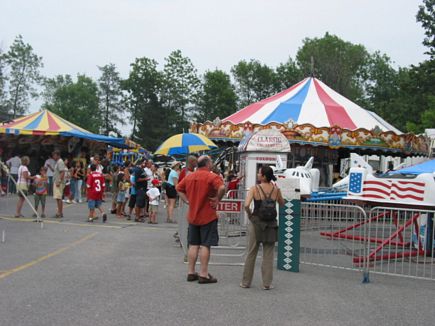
95 185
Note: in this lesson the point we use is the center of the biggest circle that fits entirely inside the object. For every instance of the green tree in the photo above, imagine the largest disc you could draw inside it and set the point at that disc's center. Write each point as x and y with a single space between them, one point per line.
52 85
3 79
254 81
109 92
217 97
24 74
428 116
426 16
76 102
337 63
288 74
180 88
417 91
142 99
381 87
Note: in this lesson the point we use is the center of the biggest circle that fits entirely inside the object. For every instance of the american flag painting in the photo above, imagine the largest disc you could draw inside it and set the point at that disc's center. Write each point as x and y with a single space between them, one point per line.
355 183
394 190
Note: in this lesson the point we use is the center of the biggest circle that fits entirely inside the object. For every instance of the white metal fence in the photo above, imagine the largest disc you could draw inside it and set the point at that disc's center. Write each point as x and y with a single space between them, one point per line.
393 241
232 232
400 242
330 235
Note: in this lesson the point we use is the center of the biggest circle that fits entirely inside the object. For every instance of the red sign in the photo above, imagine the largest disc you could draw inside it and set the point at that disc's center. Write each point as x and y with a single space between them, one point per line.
230 206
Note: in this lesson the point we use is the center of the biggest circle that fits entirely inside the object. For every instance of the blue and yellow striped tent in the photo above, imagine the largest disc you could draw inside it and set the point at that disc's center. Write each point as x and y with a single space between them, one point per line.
46 123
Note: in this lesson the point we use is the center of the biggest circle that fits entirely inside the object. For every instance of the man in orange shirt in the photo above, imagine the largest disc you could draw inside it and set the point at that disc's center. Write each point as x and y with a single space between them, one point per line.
202 191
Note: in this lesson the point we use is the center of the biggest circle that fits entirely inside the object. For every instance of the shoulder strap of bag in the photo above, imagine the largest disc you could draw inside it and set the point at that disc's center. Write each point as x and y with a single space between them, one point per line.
271 192
269 196
264 194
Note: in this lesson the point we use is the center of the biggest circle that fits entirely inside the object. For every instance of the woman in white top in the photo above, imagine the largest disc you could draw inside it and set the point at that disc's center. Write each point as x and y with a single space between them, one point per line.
23 180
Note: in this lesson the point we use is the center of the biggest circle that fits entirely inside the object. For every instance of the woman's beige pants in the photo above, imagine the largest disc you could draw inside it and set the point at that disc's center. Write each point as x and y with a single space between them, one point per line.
267 264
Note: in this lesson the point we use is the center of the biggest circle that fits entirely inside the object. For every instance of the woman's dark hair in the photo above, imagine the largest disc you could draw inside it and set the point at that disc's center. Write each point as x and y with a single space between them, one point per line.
267 172
120 177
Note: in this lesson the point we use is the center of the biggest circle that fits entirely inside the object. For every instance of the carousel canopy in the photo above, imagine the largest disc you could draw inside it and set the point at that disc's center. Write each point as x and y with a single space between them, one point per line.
46 123
311 101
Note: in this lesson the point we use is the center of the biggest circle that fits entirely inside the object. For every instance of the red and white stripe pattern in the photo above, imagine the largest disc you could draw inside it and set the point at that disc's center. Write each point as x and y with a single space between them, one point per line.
310 101
394 190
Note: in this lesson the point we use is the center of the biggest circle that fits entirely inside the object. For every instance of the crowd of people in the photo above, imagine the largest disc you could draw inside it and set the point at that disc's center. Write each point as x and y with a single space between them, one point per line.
136 188
136 193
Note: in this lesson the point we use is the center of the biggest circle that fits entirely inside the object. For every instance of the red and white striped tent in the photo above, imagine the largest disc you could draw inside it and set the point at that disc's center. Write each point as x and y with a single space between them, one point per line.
311 101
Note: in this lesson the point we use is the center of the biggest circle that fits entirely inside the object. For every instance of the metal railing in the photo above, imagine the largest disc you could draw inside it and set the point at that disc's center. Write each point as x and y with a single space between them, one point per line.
330 235
391 241
400 241
232 233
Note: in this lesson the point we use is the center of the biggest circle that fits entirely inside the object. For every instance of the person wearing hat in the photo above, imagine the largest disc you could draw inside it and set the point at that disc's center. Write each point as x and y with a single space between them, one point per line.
171 192
153 196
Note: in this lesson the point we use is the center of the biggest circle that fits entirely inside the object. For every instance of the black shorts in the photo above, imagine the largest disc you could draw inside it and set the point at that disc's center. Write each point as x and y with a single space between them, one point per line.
203 235
171 192
132 201
140 198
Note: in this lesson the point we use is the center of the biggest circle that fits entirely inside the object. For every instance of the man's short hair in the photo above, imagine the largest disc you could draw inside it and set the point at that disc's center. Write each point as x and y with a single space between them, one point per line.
203 161
56 152
192 159
93 167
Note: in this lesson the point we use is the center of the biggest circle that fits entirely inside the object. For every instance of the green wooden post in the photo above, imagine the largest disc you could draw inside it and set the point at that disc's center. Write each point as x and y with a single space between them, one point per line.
289 236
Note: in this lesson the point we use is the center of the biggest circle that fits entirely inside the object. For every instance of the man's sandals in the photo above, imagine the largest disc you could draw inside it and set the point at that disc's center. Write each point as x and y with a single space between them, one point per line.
201 280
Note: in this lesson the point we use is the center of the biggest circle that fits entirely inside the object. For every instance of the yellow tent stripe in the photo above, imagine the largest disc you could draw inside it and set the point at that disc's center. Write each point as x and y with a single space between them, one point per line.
43 124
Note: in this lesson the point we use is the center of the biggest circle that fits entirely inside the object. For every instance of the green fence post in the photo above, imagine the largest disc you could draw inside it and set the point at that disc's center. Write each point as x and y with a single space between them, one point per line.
289 235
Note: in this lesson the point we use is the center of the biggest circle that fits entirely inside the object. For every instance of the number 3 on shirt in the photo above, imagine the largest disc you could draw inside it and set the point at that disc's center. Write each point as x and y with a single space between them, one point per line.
98 185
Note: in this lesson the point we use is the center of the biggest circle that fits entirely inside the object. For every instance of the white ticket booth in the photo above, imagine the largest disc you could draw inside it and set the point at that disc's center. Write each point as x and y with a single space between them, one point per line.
265 147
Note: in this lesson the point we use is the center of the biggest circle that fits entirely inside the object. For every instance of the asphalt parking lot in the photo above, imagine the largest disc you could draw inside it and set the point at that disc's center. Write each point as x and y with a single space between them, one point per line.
123 273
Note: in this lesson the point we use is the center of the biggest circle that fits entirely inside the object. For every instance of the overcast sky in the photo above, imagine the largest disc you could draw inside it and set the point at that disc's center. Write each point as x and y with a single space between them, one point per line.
77 35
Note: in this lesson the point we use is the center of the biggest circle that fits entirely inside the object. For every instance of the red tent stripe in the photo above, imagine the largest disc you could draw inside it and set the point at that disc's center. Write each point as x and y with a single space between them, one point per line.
248 111
38 133
336 114
52 124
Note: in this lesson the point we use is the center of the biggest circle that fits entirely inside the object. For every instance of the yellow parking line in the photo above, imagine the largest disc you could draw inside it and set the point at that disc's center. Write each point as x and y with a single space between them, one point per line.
41 259
13 219
113 225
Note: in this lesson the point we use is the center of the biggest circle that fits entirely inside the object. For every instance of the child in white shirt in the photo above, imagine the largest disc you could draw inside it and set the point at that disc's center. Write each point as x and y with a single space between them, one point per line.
153 194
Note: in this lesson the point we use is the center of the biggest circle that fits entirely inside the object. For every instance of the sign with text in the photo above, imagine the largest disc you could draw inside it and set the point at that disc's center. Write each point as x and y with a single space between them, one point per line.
229 206
267 140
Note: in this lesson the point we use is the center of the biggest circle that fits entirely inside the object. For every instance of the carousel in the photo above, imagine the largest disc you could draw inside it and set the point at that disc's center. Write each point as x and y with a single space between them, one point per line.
317 121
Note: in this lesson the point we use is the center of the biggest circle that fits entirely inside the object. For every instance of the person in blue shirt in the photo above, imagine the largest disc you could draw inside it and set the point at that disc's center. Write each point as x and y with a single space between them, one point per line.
171 192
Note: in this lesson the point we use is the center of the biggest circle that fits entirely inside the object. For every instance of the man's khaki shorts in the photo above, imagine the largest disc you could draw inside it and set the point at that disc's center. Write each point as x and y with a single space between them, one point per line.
58 191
